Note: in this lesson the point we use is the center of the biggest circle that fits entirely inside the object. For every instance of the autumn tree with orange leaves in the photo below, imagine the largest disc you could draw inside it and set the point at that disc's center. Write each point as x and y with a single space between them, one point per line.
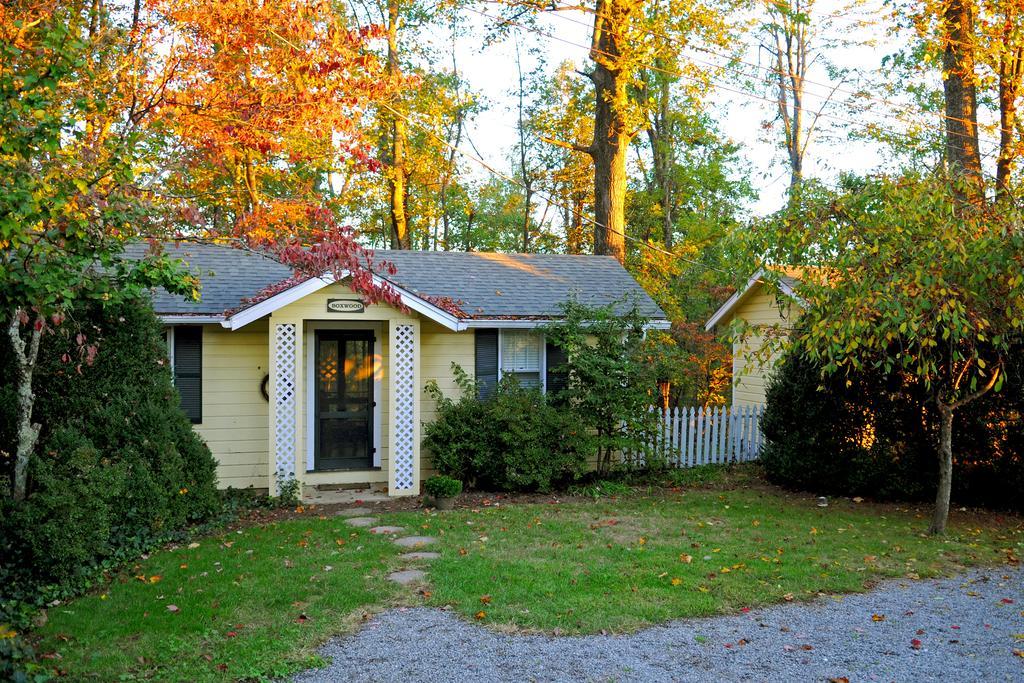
201 120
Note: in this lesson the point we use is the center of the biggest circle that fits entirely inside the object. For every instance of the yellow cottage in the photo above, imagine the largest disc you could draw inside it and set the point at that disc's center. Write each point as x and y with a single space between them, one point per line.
766 308
313 384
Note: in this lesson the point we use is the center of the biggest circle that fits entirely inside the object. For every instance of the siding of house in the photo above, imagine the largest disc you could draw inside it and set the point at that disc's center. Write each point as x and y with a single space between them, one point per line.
440 348
750 375
235 414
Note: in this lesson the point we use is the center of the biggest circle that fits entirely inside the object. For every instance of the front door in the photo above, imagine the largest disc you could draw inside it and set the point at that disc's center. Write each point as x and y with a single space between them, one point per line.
344 400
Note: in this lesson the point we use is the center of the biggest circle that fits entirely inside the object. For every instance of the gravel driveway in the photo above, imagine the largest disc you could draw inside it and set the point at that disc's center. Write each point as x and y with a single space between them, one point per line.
953 630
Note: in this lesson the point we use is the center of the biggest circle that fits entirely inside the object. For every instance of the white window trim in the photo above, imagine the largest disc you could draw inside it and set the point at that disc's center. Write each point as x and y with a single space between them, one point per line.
170 350
310 340
543 357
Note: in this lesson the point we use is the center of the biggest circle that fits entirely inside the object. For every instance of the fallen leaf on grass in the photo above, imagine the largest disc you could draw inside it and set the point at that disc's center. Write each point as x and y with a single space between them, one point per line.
686 558
173 609
480 615
302 618
485 599
676 581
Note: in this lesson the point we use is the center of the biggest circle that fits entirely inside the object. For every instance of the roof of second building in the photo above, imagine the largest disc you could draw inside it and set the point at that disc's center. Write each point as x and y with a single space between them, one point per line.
480 284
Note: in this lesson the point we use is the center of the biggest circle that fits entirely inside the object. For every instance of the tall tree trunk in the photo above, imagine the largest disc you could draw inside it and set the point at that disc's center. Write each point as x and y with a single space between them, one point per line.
25 355
789 34
941 512
960 91
524 169
659 133
400 238
1011 72
611 135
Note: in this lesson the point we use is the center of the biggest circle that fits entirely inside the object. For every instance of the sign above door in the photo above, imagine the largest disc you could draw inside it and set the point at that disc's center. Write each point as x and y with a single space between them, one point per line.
345 306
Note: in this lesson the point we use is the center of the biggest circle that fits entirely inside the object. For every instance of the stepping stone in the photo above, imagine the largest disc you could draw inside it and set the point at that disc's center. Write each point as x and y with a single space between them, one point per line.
415 541
387 530
407 576
361 521
353 512
419 556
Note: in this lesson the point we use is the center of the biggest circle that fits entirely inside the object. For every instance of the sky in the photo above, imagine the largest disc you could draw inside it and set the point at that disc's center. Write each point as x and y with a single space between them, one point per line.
491 72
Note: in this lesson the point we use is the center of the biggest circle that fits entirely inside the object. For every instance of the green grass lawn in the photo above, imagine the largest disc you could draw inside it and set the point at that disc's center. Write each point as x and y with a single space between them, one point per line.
255 604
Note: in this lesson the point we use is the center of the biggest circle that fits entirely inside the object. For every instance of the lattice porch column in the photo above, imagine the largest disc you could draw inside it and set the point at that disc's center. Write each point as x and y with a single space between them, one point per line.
404 432
283 401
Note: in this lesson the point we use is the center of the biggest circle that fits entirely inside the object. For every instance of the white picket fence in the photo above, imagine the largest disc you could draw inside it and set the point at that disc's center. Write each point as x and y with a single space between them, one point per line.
688 437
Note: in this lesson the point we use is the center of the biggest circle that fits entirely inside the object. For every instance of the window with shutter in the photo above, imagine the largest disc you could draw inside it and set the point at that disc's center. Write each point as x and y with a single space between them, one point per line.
486 368
521 356
187 363
557 369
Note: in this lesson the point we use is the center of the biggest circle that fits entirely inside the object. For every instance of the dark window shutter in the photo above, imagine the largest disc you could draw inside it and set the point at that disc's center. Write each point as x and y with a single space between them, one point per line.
486 370
188 370
557 369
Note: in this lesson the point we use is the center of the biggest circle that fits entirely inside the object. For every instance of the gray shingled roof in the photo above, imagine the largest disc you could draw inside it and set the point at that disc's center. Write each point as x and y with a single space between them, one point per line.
486 285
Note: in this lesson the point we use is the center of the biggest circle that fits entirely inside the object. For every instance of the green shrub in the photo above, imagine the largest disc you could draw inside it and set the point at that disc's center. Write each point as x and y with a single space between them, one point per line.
117 466
442 486
513 441
875 435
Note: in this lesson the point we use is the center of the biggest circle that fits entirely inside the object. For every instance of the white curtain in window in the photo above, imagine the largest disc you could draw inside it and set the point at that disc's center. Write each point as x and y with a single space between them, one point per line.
521 356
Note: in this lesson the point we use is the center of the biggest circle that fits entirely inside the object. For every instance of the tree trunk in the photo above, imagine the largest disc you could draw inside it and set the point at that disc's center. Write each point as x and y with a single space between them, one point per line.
960 91
662 157
611 136
1011 72
400 238
941 513
27 432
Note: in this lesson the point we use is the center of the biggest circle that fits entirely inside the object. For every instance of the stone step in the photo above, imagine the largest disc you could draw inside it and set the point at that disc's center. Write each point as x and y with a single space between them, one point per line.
387 530
361 521
407 576
415 541
353 512
424 555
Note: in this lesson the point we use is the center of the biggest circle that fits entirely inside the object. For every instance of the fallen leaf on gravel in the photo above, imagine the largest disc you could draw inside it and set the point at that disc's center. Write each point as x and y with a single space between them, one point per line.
877 617
1018 653
915 643
807 648
840 679
954 626
788 648
920 631
1006 601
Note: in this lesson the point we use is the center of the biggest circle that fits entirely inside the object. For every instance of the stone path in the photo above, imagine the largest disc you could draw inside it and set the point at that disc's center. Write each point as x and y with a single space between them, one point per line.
404 576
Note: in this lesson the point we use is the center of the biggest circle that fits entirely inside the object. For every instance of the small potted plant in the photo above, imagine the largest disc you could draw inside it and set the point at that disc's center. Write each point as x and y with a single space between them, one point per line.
442 491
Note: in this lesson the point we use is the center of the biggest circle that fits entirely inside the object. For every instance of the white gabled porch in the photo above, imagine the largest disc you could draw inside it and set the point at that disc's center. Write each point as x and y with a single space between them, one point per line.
343 372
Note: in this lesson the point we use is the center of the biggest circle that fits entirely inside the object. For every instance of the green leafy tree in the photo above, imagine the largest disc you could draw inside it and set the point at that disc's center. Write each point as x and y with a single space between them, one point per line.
69 148
610 385
912 281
